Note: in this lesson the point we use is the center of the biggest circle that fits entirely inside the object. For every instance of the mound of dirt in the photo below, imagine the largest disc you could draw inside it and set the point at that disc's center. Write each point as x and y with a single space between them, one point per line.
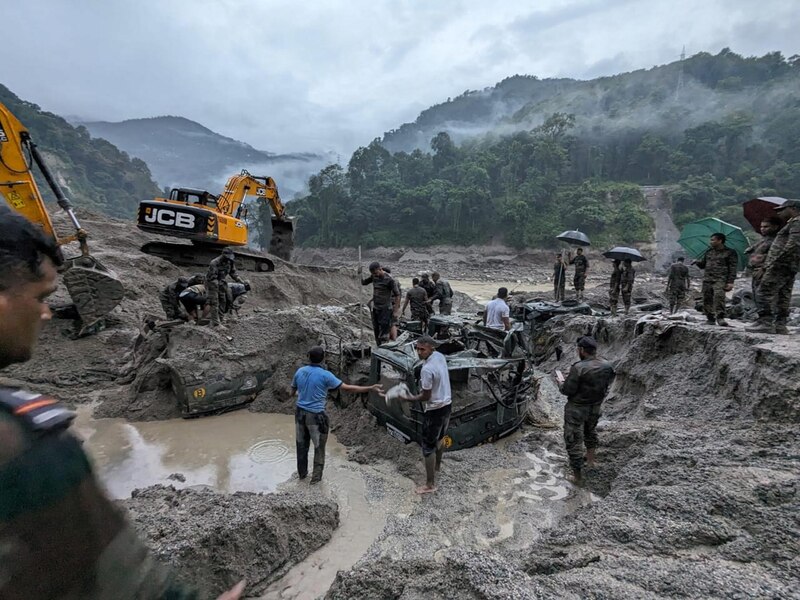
215 540
111 365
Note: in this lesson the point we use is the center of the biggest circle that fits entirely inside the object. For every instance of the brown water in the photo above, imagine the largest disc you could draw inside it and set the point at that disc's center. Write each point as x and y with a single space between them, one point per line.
238 451
254 452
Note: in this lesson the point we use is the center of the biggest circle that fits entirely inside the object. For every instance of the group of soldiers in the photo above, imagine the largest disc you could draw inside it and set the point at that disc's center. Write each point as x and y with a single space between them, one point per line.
622 277
203 297
386 295
560 274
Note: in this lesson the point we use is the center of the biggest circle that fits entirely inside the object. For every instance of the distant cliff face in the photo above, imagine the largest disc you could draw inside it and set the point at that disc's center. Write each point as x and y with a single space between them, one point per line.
184 153
95 174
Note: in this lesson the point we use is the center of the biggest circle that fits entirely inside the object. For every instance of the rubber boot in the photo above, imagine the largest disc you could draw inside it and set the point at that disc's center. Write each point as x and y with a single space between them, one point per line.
762 325
613 310
627 309
590 456
781 329
710 320
722 322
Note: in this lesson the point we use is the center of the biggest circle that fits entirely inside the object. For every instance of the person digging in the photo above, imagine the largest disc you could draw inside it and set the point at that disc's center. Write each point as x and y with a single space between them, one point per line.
436 398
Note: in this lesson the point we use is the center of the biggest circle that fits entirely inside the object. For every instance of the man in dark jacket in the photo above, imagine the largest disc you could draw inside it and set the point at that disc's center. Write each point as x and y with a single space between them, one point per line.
585 387
677 284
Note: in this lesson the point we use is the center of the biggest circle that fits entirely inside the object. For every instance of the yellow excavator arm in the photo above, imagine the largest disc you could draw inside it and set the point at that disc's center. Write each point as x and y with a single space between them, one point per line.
243 185
94 289
212 222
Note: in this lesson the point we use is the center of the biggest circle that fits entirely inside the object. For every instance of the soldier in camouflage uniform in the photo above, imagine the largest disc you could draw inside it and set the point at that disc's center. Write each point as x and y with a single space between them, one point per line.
169 297
585 387
60 536
614 288
443 293
719 263
677 284
758 253
581 267
626 283
216 285
780 269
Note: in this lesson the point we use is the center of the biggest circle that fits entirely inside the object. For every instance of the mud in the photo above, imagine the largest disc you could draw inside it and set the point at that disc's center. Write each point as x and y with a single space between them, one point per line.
697 484
214 540
695 493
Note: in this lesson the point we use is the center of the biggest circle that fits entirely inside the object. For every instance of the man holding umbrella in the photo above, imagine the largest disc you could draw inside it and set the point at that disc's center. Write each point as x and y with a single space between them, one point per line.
780 268
719 263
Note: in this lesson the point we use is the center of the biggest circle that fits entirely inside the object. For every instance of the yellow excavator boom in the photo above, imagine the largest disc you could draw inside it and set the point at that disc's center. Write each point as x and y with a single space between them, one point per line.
212 222
94 289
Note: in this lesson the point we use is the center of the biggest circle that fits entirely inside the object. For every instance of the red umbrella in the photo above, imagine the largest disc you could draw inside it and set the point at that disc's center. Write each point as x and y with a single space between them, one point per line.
758 209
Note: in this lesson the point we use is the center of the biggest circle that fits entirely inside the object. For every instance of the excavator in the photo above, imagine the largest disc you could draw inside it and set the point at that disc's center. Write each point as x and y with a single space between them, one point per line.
213 222
94 289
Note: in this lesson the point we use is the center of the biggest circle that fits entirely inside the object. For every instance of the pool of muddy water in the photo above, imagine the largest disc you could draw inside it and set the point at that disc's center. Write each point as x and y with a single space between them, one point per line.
254 452
239 451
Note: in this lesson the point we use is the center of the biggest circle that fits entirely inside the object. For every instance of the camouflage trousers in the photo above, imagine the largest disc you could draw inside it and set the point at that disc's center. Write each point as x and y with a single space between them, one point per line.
676 298
580 423
775 293
169 303
310 428
446 306
217 300
559 288
714 299
579 281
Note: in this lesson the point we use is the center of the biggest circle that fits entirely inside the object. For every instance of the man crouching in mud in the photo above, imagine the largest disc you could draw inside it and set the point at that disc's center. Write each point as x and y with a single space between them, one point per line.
312 384
60 535
437 399
585 387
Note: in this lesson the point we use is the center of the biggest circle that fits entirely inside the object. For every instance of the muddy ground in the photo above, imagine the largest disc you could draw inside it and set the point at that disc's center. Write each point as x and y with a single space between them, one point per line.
697 485
215 540
695 493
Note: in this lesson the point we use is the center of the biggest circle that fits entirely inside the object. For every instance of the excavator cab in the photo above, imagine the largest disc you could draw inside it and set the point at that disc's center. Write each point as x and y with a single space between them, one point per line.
94 289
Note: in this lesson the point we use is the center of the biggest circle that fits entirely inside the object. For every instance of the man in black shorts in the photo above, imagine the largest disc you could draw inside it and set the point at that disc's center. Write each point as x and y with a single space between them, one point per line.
437 400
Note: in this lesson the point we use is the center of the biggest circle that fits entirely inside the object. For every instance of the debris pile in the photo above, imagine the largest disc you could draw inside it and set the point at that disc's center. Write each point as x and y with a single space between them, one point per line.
214 540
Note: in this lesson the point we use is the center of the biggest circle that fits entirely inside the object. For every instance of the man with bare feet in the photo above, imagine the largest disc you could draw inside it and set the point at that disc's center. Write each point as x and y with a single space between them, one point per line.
585 387
436 399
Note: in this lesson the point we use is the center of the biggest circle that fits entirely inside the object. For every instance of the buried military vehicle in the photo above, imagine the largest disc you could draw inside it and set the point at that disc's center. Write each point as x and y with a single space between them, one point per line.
490 395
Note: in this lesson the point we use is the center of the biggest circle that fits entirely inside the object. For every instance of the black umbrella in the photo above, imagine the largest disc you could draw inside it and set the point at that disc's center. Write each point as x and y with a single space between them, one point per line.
576 238
624 253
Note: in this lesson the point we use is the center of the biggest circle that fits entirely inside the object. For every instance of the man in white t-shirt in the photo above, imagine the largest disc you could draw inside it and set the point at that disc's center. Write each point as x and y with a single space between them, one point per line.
497 313
437 400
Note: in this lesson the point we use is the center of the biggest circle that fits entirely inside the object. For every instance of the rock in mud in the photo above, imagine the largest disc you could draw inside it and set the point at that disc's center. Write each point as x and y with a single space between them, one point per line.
214 540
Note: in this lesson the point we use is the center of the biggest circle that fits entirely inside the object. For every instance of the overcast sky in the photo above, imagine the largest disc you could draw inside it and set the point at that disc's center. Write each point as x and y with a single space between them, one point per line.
334 74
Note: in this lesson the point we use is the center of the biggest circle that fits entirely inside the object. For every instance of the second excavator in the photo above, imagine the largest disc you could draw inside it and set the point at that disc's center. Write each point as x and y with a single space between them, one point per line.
213 222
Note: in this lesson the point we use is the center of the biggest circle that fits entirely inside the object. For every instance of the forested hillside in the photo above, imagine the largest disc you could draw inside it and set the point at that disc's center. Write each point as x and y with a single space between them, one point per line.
94 172
718 129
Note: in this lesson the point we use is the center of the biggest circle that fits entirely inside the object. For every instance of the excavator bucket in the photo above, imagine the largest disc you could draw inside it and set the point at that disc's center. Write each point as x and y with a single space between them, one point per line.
282 242
94 289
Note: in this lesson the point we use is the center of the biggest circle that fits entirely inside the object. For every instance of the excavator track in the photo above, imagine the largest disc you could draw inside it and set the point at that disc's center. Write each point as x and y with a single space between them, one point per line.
197 255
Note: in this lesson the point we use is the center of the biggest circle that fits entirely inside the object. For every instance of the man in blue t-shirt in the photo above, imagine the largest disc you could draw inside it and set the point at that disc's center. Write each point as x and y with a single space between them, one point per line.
312 384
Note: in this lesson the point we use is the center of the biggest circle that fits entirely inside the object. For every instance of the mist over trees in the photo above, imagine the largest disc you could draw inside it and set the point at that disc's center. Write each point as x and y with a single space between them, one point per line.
717 129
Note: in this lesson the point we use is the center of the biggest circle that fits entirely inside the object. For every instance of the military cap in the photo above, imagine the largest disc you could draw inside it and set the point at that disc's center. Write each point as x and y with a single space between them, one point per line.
789 204
587 341
228 251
